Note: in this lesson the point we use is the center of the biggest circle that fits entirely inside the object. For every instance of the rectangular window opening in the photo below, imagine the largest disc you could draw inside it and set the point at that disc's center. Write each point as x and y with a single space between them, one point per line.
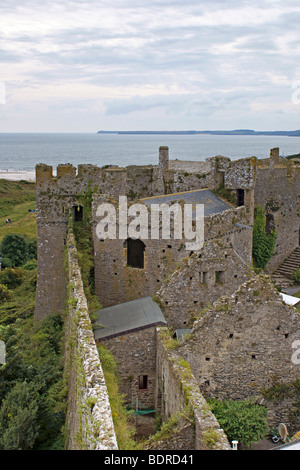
143 382
78 213
205 277
240 197
220 277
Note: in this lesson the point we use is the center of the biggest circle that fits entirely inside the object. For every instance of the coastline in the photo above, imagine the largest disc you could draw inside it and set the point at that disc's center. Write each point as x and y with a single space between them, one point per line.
17 175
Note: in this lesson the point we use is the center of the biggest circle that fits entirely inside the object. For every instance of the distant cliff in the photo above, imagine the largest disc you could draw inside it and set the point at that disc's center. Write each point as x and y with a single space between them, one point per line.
191 132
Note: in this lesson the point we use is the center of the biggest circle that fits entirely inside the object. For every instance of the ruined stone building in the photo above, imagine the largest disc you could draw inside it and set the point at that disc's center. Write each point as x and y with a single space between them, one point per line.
241 332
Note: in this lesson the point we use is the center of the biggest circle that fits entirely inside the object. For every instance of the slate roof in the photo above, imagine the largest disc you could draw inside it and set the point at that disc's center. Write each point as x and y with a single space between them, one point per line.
212 203
128 317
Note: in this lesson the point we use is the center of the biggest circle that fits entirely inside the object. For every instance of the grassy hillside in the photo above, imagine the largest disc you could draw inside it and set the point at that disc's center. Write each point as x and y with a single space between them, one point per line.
16 198
32 388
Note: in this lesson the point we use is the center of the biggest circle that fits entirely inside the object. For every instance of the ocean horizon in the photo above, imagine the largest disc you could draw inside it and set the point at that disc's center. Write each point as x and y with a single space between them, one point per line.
23 151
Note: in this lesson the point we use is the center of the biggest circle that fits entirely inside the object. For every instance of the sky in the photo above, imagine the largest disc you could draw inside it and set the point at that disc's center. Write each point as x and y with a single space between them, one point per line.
84 66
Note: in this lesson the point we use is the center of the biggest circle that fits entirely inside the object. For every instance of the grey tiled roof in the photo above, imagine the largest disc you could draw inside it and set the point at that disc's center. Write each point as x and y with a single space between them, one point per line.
127 317
212 203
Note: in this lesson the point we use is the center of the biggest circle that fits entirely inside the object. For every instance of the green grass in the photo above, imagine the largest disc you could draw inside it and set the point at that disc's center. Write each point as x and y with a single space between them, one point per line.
16 198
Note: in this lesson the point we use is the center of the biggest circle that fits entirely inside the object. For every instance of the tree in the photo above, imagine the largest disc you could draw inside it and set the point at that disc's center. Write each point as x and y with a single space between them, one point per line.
18 418
16 250
12 278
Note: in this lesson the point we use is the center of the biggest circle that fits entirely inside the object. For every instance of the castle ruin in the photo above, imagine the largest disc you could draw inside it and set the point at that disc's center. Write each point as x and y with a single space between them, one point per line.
217 279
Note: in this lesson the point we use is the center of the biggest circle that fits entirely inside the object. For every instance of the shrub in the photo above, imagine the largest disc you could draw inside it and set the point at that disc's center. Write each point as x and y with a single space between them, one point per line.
17 249
30 265
243 421
296 275
263 243
6 295
12 278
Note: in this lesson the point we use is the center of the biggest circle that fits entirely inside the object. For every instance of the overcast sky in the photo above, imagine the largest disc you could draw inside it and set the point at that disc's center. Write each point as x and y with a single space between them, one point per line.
82 66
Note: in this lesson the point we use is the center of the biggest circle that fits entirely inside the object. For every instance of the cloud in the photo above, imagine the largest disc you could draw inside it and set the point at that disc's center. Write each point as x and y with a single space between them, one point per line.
151 58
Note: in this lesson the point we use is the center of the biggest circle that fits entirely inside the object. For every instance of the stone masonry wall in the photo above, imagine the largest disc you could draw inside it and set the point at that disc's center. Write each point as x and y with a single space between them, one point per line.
178 393
277 191
89 417
57 194
199 281
135 353
116 282
243 346
190 166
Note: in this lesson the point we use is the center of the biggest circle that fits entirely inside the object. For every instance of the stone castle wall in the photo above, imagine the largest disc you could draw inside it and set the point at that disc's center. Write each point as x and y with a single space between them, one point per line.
135 353
178 393
199 281
271 184
189 166
89 418
56 195
243 346
116 282
277 191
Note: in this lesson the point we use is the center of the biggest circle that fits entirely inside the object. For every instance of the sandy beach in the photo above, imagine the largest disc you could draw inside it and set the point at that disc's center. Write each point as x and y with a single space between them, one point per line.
17 175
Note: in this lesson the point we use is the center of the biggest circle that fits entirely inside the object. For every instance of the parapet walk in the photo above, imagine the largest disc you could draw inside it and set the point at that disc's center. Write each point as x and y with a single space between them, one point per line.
90 420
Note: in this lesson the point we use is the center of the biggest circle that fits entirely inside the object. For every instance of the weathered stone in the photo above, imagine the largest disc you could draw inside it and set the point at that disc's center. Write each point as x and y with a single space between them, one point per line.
243 346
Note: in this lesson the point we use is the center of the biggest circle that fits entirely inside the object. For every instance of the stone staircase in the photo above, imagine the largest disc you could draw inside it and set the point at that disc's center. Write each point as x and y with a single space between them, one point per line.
282 275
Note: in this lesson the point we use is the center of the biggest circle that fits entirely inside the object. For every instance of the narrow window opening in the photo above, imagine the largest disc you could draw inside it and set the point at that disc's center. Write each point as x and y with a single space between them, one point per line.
78 213
205 277
143 382
240 197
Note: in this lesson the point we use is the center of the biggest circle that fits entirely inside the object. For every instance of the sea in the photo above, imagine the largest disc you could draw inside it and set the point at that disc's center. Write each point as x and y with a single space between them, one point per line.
22 151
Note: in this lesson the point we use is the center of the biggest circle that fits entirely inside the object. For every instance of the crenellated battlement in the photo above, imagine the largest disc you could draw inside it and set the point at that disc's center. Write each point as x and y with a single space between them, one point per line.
70 180
271 182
